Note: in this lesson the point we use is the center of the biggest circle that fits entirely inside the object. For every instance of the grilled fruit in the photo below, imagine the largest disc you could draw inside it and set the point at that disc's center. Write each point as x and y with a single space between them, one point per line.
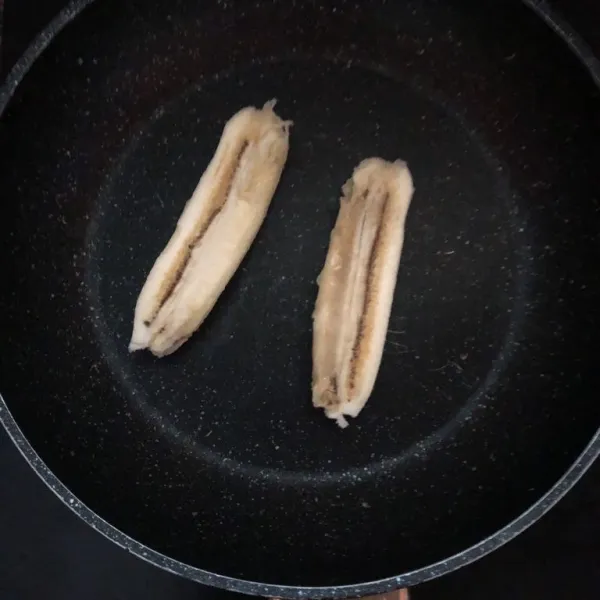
214 232
356 287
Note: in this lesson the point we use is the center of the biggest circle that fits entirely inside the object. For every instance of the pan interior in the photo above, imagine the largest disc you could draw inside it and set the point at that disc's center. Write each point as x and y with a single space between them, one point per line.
485 395
240 389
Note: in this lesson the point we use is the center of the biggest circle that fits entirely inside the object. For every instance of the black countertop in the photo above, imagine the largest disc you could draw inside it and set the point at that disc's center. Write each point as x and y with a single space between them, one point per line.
46 552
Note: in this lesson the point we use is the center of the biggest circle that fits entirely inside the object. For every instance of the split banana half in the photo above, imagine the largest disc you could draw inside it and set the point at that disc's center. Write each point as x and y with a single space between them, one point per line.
214 232
356 287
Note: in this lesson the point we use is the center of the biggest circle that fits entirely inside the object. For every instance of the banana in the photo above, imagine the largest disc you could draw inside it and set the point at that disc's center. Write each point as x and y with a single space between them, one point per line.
214 232
356 286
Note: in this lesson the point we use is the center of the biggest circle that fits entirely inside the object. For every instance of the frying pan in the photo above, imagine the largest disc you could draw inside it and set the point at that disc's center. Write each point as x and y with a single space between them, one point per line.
212 463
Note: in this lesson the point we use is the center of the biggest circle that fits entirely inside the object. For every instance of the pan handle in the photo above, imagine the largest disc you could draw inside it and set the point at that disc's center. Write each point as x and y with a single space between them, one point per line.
397 595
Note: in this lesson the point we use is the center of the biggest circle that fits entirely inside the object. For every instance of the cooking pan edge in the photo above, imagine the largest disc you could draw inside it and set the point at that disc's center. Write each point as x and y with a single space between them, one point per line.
559 489
535 512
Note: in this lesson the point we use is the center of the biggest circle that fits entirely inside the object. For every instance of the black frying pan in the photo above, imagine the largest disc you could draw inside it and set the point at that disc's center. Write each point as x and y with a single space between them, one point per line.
212 463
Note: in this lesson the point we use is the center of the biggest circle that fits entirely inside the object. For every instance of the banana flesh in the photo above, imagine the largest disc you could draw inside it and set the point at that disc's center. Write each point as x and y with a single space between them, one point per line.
214 232
356 287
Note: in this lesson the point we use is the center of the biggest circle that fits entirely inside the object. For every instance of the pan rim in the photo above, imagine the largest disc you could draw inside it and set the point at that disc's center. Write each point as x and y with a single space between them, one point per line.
417 576
571 476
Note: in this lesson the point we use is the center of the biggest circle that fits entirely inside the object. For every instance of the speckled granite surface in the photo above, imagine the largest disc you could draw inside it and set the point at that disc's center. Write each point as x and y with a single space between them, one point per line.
47 552
70 560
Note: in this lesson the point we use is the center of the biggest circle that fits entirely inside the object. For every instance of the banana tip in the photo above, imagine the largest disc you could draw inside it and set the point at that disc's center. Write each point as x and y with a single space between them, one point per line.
137 343
270 104
342 422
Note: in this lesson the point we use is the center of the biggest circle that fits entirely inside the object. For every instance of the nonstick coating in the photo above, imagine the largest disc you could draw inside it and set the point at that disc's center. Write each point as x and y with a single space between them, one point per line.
488 390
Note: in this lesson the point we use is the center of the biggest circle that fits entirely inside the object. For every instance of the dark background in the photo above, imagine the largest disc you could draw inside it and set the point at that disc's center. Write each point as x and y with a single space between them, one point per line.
46 552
